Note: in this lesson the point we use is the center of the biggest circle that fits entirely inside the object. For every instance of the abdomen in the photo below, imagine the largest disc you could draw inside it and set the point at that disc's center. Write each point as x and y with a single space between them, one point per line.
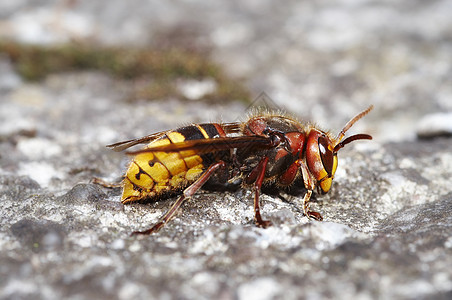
152 175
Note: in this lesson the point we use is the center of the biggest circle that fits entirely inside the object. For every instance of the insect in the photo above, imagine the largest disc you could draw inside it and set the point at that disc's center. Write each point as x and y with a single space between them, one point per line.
267 148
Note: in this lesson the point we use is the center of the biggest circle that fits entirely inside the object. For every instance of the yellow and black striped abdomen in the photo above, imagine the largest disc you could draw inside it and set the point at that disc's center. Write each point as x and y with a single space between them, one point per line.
153 174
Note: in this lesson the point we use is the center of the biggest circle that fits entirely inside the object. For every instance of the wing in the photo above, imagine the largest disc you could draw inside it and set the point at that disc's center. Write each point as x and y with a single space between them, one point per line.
120 146
231 127
202 146
127 144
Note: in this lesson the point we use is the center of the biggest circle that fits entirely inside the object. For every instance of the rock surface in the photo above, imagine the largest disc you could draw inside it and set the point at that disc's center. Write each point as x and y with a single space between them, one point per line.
388 218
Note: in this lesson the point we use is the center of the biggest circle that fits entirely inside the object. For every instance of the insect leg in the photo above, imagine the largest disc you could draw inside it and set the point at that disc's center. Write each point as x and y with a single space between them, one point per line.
257 189
188 192
309 185
100 181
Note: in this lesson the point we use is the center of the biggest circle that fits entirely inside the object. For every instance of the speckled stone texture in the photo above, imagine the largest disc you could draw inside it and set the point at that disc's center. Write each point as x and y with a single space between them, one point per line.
387 229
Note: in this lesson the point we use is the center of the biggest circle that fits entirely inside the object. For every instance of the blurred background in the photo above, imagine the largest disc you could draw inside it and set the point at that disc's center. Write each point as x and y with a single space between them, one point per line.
323 61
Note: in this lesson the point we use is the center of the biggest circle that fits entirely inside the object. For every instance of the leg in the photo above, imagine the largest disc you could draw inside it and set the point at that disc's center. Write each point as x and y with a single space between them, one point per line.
188 192
307 211
100 181
257 189
309 185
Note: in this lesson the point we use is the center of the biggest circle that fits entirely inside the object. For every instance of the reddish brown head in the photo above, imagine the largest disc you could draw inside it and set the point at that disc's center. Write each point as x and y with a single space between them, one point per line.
321 151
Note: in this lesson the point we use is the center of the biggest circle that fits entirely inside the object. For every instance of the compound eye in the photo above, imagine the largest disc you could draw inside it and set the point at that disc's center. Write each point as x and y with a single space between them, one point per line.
326 154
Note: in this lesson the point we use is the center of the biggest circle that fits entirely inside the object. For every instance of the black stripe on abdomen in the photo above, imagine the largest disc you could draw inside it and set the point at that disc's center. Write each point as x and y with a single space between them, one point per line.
211 130
190 132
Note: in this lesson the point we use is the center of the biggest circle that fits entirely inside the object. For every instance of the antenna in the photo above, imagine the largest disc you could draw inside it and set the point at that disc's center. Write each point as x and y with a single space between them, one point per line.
349 124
